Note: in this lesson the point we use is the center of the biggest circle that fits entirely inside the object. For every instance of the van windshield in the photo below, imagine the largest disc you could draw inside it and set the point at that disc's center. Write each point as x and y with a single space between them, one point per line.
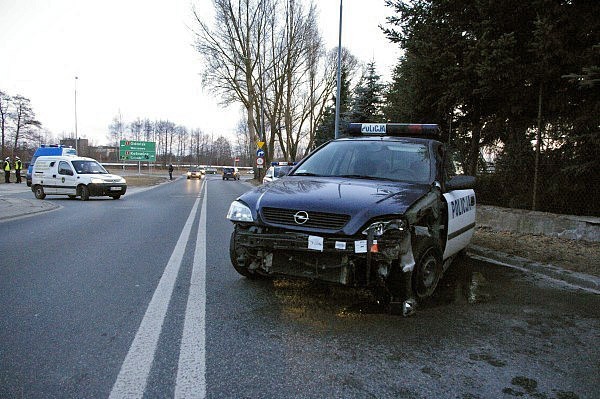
88 167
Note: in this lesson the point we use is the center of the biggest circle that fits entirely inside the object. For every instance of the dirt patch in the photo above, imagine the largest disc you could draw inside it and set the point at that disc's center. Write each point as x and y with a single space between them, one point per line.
144 180
579 256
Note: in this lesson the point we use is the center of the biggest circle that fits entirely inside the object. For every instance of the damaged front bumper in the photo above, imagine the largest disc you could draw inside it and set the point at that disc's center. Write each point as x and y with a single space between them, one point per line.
362 261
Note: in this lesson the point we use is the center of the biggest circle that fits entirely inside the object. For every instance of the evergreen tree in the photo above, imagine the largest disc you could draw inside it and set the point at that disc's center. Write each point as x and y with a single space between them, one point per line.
367 102
326 129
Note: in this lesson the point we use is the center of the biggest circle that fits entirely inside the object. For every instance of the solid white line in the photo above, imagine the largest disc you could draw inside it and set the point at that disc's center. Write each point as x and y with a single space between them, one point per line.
191 378
131 381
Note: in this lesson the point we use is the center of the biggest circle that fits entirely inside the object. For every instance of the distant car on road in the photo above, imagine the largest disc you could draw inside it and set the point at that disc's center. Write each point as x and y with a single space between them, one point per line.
211 171
231 173
194 173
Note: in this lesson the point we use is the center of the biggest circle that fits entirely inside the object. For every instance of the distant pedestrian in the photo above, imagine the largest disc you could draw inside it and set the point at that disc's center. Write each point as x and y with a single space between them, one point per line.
7 170
18 167
170 172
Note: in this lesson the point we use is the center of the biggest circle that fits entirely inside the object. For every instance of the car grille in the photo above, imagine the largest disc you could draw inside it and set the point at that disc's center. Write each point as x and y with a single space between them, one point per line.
320 220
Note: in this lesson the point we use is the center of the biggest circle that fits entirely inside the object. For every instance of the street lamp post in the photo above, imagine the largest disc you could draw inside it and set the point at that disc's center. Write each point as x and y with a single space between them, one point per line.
76 136
339 79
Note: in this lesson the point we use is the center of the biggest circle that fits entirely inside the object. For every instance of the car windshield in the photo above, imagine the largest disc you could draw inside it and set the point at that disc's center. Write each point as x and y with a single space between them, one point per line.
281 171
89 167
228 170
360 159
194 170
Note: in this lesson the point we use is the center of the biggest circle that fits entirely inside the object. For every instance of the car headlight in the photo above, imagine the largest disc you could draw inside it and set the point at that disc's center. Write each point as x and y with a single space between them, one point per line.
239 212
97 181
381 227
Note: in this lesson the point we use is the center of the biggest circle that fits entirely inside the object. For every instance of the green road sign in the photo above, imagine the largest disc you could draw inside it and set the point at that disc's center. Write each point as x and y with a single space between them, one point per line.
137 150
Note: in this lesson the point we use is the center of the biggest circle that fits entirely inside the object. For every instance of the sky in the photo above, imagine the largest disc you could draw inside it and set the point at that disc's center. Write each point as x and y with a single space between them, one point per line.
136 58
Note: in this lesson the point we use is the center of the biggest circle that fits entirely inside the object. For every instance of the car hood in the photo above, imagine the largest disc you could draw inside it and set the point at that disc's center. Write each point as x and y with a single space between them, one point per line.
361 200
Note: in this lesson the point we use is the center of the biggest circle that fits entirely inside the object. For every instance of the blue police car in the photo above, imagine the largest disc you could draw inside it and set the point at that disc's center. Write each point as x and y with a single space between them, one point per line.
377 209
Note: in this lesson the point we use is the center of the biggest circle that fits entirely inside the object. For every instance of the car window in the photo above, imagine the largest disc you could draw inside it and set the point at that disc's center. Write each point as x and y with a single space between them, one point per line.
281 171
395 160
64 168
89 167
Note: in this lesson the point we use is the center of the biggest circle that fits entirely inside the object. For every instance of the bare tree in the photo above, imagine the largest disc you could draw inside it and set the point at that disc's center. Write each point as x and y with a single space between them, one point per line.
231 50
136 128
115 130
23 118
5 101
268 55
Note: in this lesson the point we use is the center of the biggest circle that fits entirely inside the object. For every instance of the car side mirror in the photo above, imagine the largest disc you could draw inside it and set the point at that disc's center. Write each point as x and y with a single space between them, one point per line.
461 182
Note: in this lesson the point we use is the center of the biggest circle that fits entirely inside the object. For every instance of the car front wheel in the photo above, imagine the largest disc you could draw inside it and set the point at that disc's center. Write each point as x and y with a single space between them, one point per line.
428 268
85 193
39 192
235 253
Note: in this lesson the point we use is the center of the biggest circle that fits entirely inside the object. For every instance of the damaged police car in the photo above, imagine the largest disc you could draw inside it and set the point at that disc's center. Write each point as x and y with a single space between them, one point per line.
377 209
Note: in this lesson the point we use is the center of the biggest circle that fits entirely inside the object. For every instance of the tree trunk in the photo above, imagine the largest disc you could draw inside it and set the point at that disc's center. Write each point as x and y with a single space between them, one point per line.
537 151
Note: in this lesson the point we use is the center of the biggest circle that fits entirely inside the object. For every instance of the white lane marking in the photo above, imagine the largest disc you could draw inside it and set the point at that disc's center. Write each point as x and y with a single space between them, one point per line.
132 378
191 377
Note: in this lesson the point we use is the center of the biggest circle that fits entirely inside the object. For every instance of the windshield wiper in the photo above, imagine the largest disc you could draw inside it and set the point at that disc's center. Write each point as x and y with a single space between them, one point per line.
306 174
361 177
368 177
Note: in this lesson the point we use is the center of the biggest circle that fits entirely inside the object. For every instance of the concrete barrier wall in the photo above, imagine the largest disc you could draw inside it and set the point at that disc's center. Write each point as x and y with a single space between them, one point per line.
585 228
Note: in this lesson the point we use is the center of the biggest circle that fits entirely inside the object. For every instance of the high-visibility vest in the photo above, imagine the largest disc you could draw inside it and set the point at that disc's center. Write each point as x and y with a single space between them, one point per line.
7 166
18 164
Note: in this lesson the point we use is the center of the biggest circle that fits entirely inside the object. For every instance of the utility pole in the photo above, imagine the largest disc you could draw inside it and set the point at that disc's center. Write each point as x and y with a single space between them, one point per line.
76 135
339 79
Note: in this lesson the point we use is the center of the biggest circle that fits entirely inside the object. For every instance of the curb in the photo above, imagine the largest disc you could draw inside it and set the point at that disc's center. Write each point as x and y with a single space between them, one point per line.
581 280
13 208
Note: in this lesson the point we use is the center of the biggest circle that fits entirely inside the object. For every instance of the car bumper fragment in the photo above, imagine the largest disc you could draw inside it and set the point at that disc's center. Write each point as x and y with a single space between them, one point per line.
110 189
355 261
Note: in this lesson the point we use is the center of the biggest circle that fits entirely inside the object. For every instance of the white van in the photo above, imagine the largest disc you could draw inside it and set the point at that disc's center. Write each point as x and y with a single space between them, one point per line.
74 176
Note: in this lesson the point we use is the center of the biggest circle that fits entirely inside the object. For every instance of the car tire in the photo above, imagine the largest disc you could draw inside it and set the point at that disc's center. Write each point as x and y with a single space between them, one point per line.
38 191
234 250
115 197
428 268
84 192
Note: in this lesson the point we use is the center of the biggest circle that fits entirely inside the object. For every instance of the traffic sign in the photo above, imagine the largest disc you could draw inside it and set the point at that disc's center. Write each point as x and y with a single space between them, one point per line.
260 153
260 162
260 144
137 150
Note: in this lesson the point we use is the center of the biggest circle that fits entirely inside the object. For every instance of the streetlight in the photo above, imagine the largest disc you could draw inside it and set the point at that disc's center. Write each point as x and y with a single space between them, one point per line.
339 79
76 136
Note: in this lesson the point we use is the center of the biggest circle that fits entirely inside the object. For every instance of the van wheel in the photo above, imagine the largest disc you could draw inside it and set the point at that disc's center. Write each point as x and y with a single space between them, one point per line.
428 268
115 196
85 193
39 192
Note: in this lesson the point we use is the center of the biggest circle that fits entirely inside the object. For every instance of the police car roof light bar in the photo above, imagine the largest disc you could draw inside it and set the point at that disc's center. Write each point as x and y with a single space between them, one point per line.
395 129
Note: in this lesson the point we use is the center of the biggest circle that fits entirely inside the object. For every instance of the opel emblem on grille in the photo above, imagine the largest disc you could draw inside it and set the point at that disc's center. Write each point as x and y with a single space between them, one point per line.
300 217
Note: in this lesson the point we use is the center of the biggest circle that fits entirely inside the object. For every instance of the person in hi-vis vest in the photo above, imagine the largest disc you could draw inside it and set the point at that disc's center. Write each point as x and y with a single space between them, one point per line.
7 170
18 168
